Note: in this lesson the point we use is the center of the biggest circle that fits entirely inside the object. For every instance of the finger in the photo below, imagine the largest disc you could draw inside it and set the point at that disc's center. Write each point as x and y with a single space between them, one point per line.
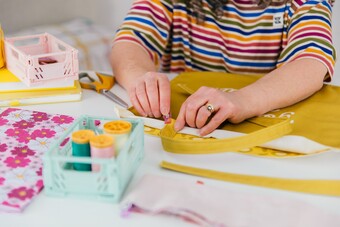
164 94
136 104
143 99
194 103
180 121
214 122
181 118
202 116
153 95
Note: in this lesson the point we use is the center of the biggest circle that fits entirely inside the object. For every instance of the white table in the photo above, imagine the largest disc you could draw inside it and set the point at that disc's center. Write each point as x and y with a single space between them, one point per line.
63 212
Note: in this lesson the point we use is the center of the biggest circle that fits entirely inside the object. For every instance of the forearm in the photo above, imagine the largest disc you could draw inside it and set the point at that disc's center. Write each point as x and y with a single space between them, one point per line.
129 61
283 87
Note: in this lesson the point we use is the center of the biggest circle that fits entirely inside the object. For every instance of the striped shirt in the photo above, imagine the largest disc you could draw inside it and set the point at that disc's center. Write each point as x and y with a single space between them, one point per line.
246 39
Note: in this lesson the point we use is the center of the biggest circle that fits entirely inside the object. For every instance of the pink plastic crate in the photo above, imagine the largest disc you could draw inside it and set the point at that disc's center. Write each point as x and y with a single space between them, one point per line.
41 58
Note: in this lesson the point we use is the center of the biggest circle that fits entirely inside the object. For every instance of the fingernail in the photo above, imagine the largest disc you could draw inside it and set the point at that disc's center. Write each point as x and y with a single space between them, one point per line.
164 111
176 127
167 118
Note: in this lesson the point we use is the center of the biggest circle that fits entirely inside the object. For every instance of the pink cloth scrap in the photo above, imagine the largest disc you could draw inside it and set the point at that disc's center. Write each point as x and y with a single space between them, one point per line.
24 138
208 205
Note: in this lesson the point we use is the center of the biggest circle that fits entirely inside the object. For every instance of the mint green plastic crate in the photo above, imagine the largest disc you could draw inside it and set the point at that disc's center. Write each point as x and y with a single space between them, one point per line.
114 175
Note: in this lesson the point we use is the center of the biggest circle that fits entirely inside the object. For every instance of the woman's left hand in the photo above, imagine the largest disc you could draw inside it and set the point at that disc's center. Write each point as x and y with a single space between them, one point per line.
208 107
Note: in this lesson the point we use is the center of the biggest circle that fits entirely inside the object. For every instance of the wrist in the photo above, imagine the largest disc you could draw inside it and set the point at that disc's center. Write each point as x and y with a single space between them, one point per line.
251 105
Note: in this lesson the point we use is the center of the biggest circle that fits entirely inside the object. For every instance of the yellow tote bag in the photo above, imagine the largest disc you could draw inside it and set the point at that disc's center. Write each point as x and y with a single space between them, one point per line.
316 118
2 48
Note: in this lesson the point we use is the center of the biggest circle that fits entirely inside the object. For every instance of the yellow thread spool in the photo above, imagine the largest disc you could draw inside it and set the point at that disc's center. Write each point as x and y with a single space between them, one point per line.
120 131
102 146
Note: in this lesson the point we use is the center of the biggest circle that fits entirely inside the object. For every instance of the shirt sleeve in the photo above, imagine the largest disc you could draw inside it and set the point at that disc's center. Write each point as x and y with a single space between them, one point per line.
309 34
147 24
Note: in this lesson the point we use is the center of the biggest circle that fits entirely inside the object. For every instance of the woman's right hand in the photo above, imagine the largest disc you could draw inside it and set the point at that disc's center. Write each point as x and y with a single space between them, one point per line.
150 94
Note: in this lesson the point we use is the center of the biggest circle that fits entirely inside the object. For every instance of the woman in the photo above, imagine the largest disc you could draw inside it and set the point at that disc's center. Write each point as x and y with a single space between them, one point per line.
288 41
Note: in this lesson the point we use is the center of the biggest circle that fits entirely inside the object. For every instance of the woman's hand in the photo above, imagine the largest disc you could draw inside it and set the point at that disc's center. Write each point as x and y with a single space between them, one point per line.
208 107
150 94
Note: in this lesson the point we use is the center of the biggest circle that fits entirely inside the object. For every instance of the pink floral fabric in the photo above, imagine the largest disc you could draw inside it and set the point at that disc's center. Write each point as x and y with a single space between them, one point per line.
24 137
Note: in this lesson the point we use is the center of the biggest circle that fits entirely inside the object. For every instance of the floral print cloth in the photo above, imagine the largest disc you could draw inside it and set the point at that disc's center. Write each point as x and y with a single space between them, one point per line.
24 137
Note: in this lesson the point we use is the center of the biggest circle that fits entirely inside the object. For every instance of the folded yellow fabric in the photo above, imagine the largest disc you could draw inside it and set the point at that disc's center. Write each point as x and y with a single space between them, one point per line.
170 143
310 186
316 118
314 121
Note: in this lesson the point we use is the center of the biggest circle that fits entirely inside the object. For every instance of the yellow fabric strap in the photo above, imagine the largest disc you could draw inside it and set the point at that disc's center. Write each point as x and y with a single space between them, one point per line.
2 48
184 146
313 186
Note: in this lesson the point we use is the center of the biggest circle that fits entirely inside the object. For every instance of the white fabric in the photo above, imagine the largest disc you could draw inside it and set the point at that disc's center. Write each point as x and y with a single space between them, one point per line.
208 205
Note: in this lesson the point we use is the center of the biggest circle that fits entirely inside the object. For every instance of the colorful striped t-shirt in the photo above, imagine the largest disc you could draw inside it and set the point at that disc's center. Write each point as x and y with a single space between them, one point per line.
245 39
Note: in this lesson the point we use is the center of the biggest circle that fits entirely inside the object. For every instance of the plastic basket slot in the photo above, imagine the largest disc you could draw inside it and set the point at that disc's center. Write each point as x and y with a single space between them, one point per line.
38 75
133 154
67 68
15 54
59 176
102 179
63 186
56 185
56 176
61 47
59 181
102 186
27 41
62 177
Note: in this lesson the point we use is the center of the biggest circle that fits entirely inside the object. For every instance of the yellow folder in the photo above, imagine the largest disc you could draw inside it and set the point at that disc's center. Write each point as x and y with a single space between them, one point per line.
13 92
10 83
41 96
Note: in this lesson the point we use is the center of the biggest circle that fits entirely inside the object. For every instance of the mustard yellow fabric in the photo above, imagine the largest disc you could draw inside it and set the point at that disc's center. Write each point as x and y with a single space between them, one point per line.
278 128
311 186
316 118
252 151
2 48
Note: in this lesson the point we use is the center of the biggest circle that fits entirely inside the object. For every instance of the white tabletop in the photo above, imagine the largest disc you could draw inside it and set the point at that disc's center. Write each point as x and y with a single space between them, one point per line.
50 211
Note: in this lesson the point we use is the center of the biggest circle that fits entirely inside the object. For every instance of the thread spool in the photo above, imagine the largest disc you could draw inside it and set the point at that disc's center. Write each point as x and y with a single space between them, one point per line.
120 131
102 146
81 147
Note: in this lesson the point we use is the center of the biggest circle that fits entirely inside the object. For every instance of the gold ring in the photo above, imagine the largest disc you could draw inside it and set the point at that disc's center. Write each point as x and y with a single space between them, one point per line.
210 108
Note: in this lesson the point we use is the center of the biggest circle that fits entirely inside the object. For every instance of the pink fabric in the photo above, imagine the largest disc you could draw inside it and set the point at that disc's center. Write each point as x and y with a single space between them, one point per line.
24 137
215 206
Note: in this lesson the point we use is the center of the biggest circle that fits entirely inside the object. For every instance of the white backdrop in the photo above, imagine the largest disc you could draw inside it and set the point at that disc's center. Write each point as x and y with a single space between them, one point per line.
20 14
